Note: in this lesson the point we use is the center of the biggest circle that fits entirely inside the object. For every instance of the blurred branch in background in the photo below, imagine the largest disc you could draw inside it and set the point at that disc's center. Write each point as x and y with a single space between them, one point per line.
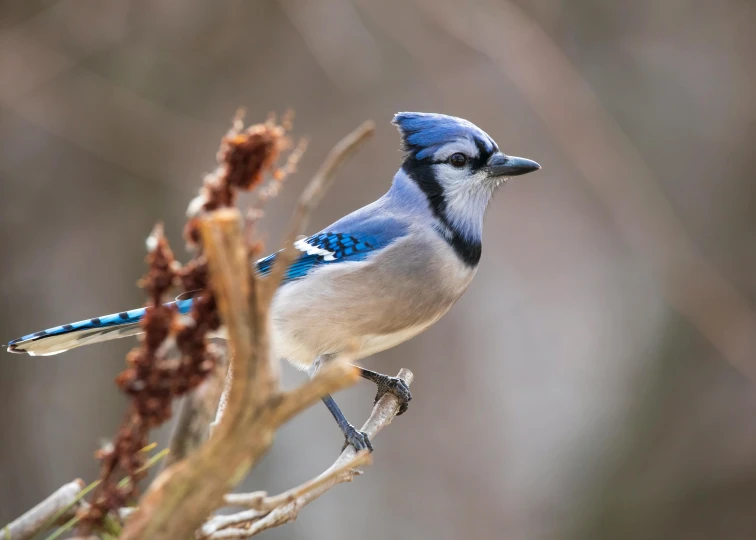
610 163
31 71
46 514
325 27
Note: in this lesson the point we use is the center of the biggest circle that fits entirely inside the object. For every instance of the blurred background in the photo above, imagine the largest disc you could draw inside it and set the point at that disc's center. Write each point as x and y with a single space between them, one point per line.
596 380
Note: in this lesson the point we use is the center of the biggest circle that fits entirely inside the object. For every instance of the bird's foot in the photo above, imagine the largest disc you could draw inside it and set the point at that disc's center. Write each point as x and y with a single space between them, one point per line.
358 439
396 387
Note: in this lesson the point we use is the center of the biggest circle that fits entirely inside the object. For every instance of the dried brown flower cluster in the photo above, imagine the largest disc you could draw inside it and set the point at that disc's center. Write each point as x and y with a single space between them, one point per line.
156 374
244 157
174 355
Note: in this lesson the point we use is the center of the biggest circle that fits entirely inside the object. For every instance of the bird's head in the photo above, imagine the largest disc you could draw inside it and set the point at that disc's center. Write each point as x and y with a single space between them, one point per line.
457 165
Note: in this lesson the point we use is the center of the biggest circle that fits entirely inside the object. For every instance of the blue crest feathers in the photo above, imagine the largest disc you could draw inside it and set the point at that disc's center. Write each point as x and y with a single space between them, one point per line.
424 133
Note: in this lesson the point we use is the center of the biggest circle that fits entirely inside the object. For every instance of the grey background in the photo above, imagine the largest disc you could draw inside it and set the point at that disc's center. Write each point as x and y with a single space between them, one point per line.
590 384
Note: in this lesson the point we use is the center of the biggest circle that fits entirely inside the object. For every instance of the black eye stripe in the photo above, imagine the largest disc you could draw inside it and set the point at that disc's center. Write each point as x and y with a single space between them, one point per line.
484 154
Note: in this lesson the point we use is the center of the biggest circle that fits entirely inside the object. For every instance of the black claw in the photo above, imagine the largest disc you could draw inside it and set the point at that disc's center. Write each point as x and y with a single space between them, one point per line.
398 388
358 439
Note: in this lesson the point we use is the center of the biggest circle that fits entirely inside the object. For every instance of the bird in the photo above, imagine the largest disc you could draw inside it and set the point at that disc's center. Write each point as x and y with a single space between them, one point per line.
376 277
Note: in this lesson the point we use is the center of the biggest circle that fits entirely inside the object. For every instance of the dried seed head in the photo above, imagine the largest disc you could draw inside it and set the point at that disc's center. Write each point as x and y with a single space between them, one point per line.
249 154
244 158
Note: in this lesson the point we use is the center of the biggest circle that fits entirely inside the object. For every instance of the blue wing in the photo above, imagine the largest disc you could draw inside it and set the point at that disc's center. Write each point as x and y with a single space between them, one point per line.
371 228
323 248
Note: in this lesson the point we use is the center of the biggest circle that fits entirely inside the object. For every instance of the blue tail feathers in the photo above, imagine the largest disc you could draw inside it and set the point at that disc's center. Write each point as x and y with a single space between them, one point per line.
90 327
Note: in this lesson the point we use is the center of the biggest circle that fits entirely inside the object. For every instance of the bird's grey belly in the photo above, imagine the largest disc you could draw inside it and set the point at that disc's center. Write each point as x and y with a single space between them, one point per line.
366 306
377 343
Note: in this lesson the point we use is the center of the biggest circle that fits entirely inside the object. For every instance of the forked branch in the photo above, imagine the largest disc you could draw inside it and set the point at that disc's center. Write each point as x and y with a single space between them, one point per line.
185 493
266 512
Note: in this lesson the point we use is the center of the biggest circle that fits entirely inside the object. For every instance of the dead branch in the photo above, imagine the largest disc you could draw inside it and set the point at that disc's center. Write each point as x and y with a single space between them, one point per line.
197 412
189 490
41 516
185 493
267 512
281 508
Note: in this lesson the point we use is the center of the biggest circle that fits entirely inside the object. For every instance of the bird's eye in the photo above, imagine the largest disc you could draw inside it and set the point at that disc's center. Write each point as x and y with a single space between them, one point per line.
458 160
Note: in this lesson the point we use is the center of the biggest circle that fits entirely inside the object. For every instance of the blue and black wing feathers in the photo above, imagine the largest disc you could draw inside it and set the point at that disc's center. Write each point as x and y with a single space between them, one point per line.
320 249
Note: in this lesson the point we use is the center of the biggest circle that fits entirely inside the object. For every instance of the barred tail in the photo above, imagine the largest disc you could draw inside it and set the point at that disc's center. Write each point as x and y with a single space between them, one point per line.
69 336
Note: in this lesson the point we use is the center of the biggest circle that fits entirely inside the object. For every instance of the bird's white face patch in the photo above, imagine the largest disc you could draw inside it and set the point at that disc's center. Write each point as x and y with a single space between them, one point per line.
467 191
467 195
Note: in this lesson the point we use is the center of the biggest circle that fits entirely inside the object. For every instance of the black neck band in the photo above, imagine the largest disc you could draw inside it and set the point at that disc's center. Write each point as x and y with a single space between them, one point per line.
421 173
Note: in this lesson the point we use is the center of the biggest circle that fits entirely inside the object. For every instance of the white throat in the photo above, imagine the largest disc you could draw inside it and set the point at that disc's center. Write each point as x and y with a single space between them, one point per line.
466 200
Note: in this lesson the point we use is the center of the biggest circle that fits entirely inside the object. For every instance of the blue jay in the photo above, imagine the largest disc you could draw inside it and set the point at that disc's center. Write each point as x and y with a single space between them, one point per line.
375 278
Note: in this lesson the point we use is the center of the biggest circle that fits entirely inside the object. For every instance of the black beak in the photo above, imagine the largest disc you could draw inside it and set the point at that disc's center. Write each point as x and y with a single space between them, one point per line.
503 165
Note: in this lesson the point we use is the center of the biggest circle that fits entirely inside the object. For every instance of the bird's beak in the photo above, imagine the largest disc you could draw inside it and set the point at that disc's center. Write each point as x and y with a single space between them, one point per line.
503 165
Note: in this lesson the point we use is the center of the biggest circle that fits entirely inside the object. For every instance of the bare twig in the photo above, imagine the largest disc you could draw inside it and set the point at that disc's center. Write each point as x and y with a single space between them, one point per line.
311 197
267 512
281 508
185 493
41 516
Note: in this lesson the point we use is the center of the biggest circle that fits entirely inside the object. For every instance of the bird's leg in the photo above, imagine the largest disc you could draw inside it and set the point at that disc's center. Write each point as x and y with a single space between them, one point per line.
353 436
390 385
358 439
